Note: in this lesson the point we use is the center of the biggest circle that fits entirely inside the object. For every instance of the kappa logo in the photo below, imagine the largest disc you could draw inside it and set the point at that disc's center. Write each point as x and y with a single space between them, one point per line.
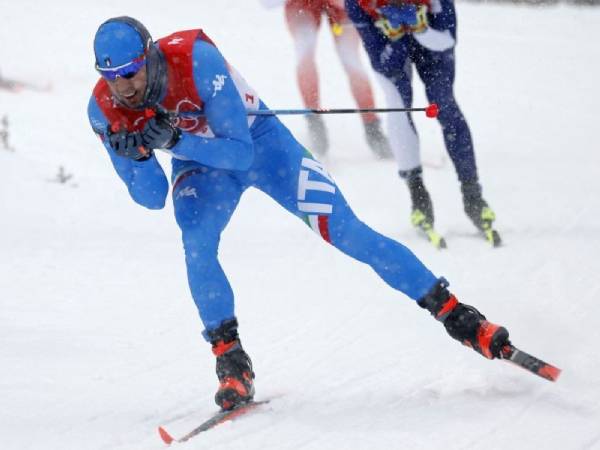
187 191
175 41
218 83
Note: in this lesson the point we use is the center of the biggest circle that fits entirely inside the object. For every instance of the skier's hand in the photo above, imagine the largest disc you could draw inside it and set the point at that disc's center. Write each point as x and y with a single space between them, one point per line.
397 20
129 144
397 16
160 133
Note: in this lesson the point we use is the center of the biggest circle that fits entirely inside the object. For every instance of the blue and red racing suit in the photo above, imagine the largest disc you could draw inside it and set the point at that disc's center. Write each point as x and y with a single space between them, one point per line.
223 153
429 44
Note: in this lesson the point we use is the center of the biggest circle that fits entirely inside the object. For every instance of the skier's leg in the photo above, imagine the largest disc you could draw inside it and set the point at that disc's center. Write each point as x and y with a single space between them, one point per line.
303 24
299 183
303 20
437 70
290 175
347 44
392 65
402 133
204 201
405 146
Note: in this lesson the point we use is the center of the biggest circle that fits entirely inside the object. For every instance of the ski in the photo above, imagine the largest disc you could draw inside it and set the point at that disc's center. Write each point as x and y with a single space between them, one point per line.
489 233
216 419
534 365
492 236
436 239
420 222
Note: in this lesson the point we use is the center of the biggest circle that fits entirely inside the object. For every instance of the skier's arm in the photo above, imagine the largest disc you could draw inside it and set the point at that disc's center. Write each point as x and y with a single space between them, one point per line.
231 148
145 180
443 17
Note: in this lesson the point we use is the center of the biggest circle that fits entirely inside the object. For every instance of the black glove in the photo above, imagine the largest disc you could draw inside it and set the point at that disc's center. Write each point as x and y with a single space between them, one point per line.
129 144
159 133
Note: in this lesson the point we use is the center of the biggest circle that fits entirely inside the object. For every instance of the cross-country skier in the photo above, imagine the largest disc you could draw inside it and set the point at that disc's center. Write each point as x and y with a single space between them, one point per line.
10 85
398 34
304 19
149 97
17 85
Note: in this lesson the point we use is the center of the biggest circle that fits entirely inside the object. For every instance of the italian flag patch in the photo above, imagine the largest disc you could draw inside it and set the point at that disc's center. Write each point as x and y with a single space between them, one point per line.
320 225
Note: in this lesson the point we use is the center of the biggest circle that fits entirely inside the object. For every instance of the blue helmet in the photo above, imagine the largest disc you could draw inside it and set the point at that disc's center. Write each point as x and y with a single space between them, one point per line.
120 41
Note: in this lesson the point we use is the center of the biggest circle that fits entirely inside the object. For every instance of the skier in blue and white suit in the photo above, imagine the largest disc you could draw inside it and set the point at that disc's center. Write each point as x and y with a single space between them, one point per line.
398 34
150 96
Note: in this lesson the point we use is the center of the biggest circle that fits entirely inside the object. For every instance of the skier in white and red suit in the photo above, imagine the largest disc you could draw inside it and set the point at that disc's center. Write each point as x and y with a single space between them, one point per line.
303 18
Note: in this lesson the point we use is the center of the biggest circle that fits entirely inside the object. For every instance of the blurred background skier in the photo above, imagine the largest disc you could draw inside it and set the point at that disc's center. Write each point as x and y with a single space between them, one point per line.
303 18
14 85
398 34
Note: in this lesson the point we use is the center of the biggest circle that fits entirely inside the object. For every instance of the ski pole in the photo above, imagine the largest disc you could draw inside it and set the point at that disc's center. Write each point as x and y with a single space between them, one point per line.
430 111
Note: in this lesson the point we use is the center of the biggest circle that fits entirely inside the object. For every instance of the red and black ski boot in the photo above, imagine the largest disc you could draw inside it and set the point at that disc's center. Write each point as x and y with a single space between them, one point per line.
234 367
464 323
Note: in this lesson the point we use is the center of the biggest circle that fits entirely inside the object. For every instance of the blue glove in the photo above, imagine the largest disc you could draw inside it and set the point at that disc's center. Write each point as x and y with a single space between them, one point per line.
400 15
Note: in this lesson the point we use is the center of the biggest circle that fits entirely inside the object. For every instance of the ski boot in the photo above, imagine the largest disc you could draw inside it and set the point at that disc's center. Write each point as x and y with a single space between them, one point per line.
318 134
234 368
464 323
479 212
377 140
422 208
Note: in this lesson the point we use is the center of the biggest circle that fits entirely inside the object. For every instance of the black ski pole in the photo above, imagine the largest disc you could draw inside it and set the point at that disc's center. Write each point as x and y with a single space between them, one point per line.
430 111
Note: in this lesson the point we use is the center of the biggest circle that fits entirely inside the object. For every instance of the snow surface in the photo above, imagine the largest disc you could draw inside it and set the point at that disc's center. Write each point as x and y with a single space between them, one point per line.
99 338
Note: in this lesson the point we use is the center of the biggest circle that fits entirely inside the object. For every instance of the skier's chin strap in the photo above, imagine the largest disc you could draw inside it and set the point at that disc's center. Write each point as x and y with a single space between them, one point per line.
156 73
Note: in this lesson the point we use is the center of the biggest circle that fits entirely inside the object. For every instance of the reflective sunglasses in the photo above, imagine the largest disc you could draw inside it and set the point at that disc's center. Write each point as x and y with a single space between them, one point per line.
127 71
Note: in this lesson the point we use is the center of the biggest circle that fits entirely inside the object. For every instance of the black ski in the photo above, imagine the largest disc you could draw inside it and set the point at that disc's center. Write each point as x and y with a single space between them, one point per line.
528 362
216 419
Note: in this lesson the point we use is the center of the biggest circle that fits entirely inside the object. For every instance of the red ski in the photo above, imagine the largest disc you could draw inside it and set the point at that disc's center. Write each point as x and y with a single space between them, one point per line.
217 419
534 365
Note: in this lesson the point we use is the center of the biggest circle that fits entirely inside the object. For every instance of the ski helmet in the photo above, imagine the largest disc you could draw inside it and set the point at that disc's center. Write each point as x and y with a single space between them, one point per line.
121 40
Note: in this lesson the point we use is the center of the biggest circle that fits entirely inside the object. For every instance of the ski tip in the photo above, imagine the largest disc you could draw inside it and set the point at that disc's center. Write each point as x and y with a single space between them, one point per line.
550 372
496 240
443 244
536 366
165 436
